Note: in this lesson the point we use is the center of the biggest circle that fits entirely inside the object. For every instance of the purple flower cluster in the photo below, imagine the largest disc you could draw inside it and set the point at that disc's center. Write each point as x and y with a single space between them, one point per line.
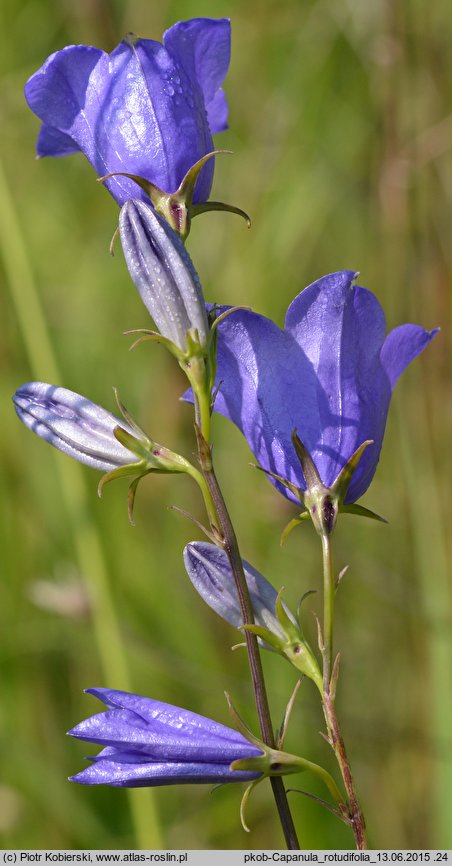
150 110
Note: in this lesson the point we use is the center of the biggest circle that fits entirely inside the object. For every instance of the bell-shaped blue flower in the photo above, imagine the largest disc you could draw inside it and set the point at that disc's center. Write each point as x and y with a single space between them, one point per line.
147 108
149 743
329 375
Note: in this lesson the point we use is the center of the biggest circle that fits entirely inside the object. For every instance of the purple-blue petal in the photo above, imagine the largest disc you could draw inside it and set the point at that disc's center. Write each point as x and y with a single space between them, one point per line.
266 385
157 721
52 142
401 346
217 113
126 773
161 739
203 47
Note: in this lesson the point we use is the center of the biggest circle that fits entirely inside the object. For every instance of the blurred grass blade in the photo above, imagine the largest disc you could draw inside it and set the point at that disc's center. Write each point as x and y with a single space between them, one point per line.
428 533
90 557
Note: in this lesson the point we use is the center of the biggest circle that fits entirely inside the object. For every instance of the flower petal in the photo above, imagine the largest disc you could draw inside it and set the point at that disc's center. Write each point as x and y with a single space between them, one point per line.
341 328
203 47
401 346
158 721
52 142
266 386
130 774
217 113
73 424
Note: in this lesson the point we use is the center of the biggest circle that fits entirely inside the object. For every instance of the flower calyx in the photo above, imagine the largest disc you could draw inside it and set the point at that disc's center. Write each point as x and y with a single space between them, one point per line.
275 762
152 457
177 207
289 642
272 762
321 503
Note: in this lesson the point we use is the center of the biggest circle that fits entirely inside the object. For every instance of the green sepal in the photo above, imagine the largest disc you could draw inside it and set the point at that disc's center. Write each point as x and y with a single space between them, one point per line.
311 475
361 512
266 635
342 482
291 644
274 762
207 206
282 731
292 524
297 491
136 446
244 802
155 337
128 417
290 629
177 207
300 603
155 457
132 469
323 503
219 319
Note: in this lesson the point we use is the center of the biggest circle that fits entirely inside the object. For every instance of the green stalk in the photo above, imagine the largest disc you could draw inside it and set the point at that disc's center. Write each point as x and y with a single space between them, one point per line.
328 610
353 815
91 561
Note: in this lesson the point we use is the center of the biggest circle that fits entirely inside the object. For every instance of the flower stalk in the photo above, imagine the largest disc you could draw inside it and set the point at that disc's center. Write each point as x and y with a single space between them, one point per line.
229 544
354 815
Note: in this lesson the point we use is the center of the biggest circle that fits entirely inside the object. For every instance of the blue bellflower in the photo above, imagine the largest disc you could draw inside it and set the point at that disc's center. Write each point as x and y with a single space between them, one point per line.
149 743
147 108
329 375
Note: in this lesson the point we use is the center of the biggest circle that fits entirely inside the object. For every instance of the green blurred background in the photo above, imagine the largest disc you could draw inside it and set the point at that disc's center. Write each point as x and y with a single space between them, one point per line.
340 114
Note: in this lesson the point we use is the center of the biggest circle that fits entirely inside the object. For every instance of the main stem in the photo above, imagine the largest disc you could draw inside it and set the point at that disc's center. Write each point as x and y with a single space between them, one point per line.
354 814
230 545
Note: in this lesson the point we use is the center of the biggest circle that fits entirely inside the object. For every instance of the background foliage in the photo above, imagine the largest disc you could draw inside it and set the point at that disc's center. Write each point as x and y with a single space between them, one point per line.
341 128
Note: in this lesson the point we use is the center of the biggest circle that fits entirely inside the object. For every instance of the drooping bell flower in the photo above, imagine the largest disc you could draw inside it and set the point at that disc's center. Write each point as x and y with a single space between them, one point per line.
147 108
149 743
329 375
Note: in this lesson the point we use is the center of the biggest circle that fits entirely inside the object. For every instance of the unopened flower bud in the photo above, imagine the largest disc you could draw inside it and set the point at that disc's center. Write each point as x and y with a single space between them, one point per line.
73 424
210 573
163 274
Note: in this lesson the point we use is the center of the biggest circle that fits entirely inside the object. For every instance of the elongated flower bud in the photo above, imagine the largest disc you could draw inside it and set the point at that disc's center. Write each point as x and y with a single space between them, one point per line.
73 424
210 573
163 274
